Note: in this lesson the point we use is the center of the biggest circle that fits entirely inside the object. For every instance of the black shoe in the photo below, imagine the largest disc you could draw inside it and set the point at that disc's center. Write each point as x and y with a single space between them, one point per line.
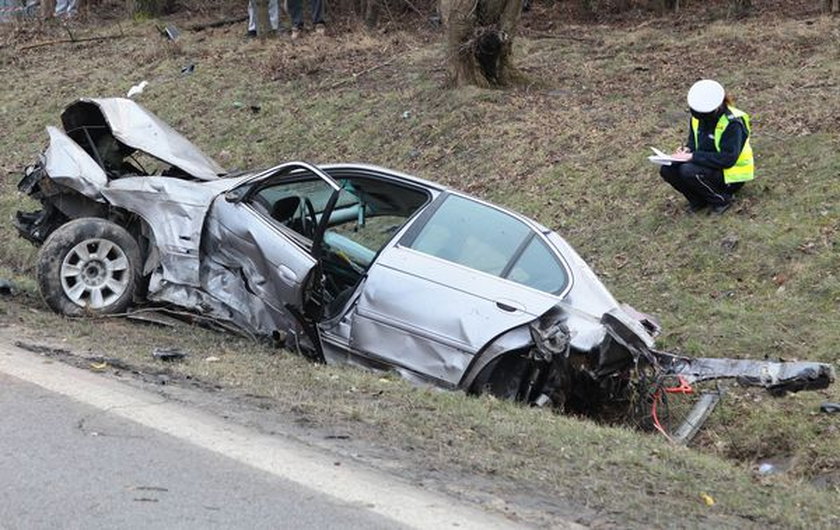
694 207
251 33
718 209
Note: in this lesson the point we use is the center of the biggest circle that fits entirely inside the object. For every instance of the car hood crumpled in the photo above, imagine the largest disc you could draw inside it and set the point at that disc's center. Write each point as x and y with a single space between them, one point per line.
70 165
136 127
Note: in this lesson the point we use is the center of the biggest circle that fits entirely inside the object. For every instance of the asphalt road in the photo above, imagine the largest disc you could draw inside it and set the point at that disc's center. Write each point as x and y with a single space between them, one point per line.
65 464
86 450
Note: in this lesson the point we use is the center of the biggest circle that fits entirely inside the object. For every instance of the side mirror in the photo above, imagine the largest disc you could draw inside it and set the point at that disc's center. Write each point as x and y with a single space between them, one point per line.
235 195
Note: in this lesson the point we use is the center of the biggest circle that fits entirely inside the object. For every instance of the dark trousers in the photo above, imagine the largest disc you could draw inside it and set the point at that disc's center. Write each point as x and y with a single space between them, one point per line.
316 9
701 185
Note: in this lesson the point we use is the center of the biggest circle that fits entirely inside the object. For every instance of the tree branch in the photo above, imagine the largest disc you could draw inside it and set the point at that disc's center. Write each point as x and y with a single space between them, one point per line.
65 41
363 72
217 23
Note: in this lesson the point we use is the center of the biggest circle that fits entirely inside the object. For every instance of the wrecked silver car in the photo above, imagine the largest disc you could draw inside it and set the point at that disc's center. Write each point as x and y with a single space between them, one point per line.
345 263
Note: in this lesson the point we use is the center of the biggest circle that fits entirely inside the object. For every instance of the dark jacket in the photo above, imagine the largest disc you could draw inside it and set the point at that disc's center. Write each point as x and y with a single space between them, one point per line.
731 143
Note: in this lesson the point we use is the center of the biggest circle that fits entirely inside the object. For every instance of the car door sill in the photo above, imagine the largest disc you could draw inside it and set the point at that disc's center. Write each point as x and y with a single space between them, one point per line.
335 341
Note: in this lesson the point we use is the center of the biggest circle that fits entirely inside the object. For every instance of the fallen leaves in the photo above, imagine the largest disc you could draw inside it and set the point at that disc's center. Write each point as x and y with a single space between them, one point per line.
707 499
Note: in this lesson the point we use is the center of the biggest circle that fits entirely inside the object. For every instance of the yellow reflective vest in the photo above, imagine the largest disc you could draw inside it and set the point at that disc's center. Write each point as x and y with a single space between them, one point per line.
744 168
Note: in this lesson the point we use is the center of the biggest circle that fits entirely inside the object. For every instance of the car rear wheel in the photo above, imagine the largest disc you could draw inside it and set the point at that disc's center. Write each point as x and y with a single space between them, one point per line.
88 266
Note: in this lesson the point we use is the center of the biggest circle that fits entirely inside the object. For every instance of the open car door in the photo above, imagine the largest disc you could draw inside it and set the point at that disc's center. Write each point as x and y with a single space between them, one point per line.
267 231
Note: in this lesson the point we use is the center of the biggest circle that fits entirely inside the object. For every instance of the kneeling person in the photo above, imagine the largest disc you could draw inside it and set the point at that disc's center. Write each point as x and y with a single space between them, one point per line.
718 158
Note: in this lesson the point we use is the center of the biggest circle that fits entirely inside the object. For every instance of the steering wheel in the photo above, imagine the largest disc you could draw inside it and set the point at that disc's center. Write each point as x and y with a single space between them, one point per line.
309 221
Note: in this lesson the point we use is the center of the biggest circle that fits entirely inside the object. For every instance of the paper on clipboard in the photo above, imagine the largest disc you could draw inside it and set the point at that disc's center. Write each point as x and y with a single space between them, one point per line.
661 159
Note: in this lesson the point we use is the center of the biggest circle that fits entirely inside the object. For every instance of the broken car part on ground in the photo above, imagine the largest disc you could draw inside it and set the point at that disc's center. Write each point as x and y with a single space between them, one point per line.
350 263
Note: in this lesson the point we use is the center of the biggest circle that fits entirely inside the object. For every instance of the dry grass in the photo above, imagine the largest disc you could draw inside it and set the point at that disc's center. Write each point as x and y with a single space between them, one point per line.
569 151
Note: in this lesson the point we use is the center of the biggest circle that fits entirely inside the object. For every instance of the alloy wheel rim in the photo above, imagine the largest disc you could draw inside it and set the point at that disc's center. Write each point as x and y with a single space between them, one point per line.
94 274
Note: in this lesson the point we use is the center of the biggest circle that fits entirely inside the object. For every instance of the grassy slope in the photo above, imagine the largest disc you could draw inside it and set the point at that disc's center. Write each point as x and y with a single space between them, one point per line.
570 152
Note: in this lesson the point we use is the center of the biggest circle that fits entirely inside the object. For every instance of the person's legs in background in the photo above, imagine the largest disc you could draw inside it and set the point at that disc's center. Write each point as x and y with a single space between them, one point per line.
65 8
317 7
273 16
296 14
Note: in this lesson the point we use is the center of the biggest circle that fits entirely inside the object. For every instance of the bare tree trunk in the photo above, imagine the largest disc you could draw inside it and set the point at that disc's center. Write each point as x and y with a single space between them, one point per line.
670 5
151 8
444 8
47 8
371 12
262 18
479 42
831 6
739 7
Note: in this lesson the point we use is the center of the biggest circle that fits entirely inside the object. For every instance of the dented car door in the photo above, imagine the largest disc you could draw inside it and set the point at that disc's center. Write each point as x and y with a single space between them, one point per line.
265 231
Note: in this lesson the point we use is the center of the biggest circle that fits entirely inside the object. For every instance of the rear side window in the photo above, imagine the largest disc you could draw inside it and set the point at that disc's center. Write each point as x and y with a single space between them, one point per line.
471 234
537 267
484 238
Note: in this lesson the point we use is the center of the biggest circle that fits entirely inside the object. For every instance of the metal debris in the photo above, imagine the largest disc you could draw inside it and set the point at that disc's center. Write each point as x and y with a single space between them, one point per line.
829 407
7 288
168 354
170 32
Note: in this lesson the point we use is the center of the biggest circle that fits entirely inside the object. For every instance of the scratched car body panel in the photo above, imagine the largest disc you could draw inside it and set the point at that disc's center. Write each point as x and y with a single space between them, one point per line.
352 263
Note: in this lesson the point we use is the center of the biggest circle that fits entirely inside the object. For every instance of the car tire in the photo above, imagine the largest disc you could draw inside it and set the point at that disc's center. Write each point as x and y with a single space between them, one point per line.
89 266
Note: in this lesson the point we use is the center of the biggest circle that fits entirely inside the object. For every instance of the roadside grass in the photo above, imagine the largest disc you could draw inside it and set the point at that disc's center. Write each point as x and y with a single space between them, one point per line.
569 151
626 478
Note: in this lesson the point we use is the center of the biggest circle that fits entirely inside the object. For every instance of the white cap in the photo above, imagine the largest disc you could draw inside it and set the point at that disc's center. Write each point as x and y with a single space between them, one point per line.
705 95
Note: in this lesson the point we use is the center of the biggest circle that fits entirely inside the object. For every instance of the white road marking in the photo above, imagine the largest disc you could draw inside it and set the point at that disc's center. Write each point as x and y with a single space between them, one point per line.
290 460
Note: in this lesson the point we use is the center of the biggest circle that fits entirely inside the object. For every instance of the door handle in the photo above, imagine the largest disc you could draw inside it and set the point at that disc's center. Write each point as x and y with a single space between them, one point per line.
509 306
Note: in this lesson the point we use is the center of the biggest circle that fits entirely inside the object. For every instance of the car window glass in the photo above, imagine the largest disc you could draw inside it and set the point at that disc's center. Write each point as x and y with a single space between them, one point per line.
538 267
367 214
296 205
316 190
358 228
347 234
471 234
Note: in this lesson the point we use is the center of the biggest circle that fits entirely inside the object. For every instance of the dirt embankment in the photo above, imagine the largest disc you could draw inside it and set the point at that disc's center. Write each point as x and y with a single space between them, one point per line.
568 150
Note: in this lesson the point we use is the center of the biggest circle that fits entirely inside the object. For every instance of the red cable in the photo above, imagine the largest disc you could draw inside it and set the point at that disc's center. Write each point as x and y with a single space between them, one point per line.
683 388
656 418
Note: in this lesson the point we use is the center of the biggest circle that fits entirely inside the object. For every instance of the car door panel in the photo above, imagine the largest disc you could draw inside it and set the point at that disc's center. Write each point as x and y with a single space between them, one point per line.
252 268
275 266
411 350
275 262
432 316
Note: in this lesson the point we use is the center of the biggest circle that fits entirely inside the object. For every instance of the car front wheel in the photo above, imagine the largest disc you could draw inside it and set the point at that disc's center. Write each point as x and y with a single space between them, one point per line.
88 266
